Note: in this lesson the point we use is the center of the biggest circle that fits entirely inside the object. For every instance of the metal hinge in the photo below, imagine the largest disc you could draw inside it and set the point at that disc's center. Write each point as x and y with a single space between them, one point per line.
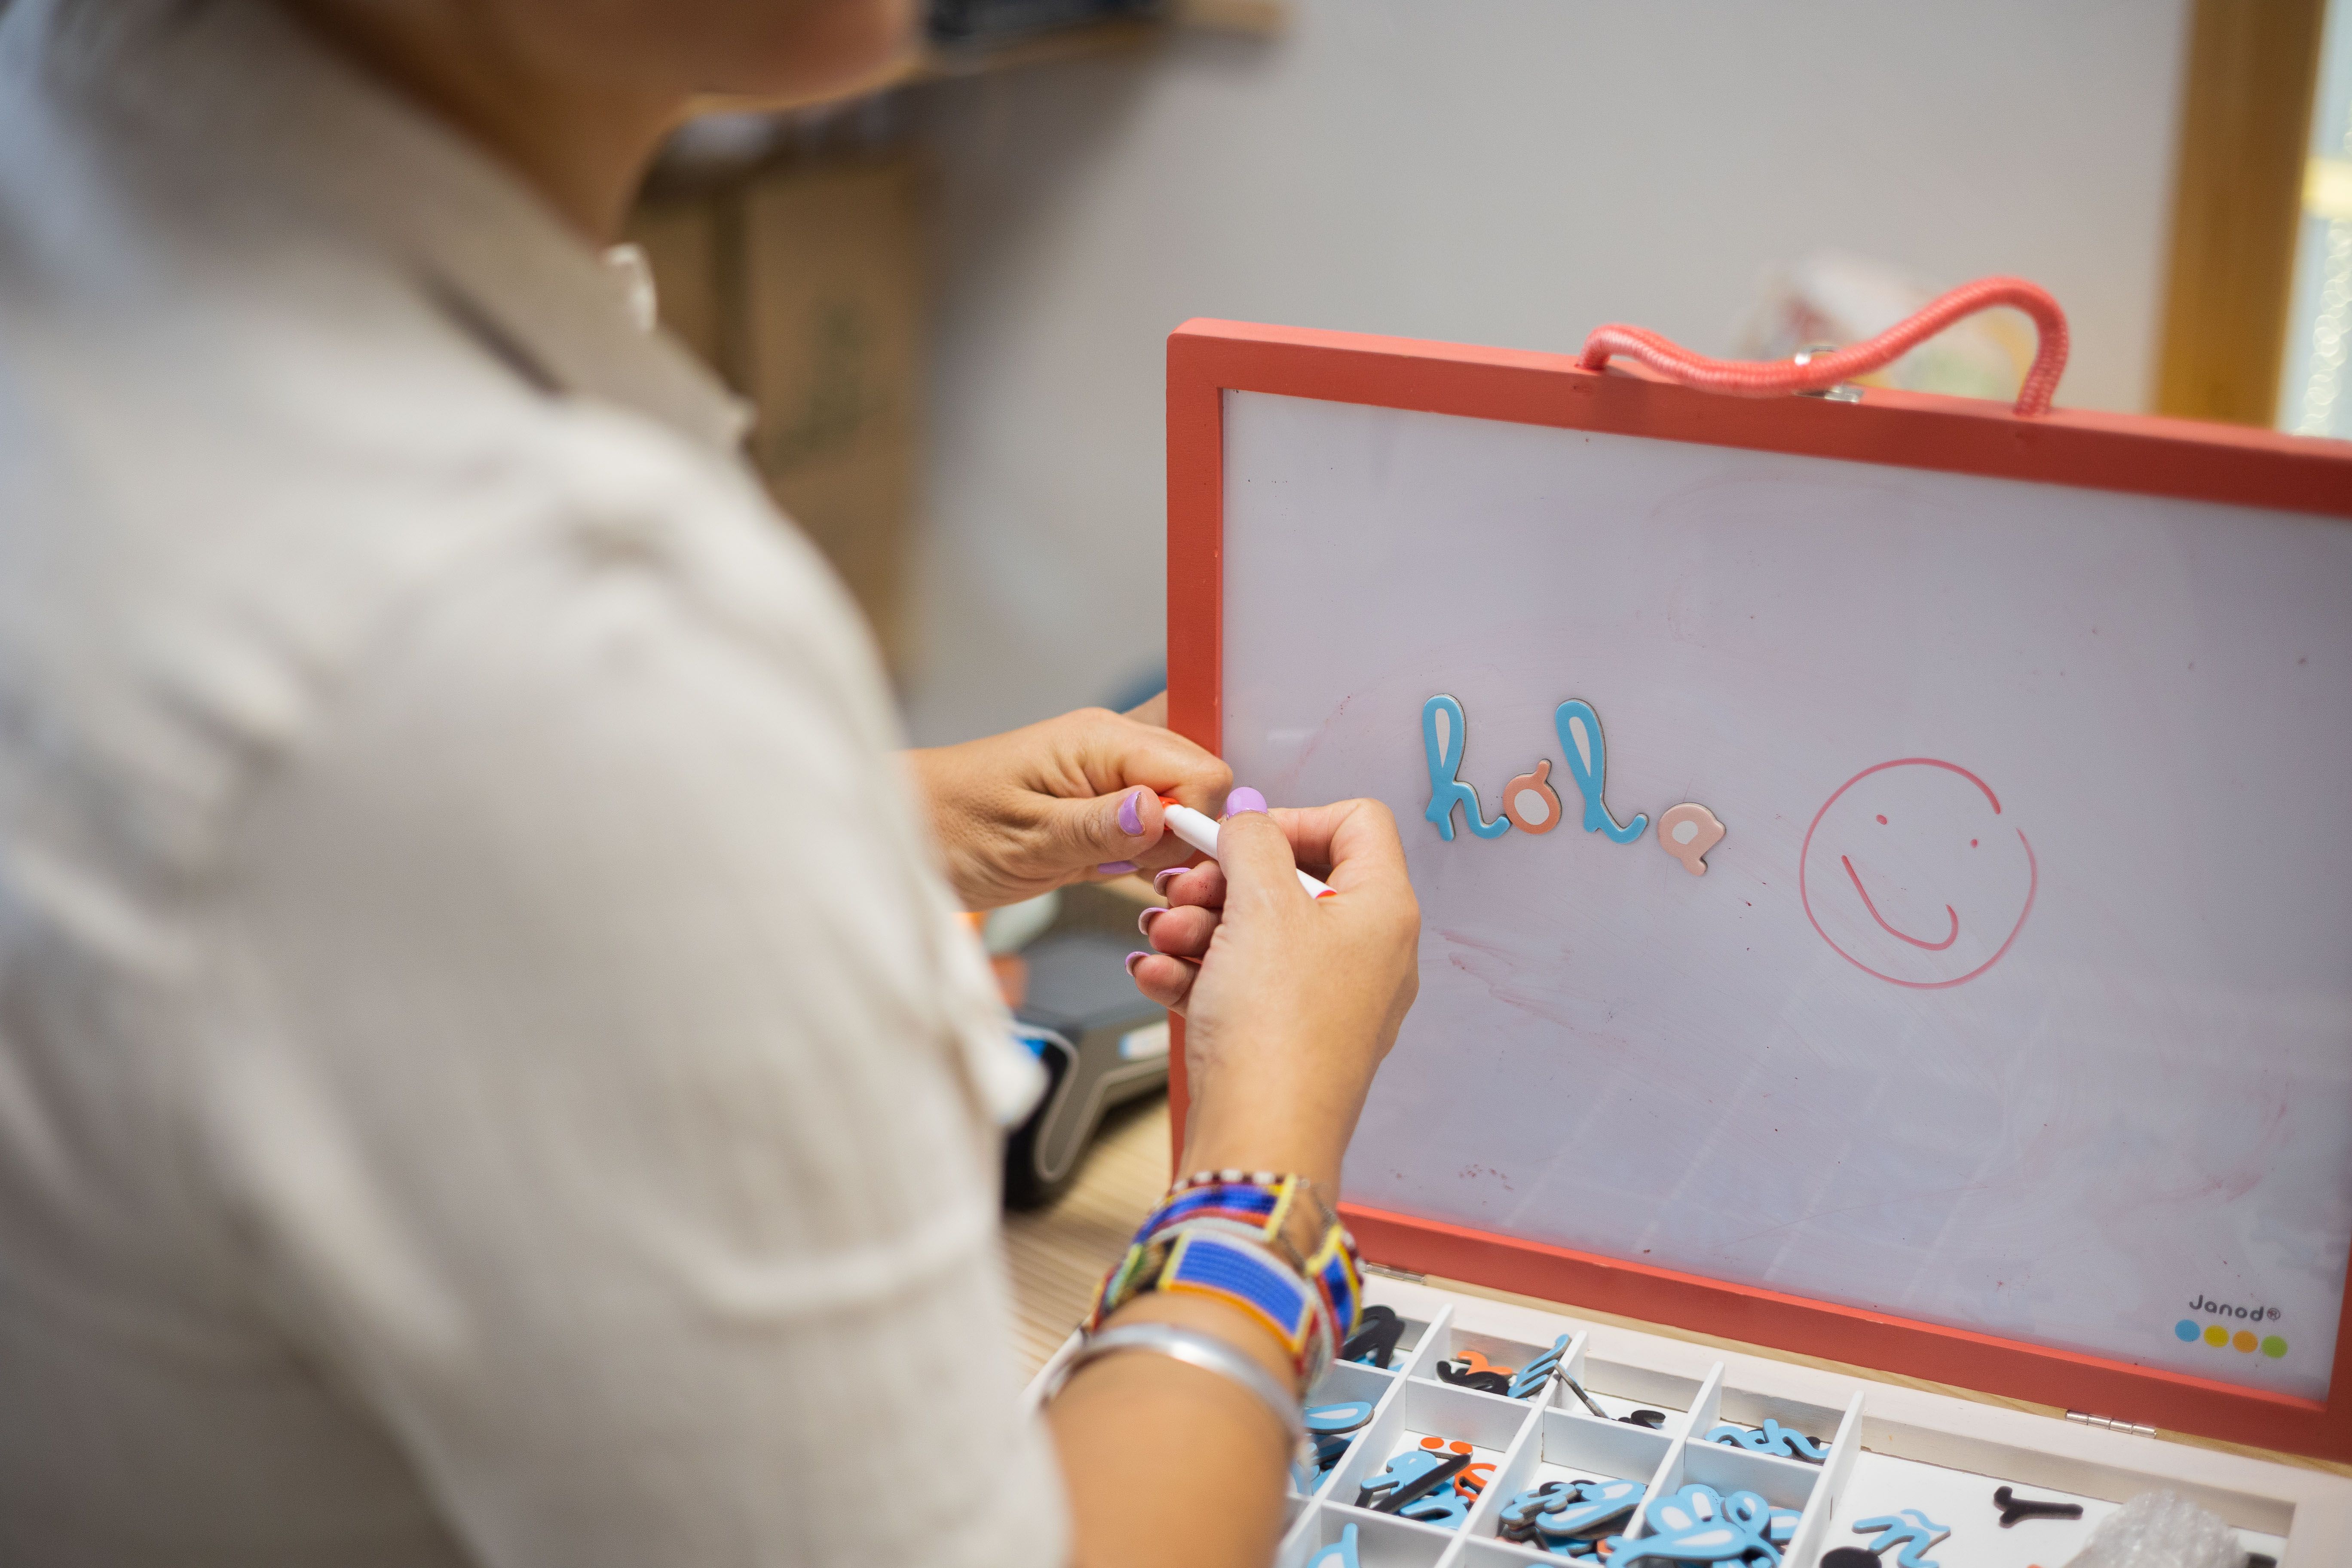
1844 391
1405 1275
2111 1422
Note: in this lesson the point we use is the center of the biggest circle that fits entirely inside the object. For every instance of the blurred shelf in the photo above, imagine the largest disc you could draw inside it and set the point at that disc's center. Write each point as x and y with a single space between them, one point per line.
1249 18
785 236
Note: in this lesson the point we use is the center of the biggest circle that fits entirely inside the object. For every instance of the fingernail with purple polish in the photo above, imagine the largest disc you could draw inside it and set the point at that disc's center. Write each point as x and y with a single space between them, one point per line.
1131 812
1160 883
1244 798
1143 921
1133 959
1117 867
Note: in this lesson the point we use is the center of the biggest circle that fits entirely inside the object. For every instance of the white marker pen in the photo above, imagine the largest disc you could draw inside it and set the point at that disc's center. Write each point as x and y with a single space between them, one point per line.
1199 830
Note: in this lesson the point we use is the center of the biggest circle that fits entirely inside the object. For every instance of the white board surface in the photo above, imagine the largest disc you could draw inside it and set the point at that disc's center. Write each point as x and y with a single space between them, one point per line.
2078 1064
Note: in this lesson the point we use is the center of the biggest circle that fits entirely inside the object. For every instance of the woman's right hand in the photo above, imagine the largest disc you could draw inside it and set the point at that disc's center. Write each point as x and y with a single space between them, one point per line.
1289 1002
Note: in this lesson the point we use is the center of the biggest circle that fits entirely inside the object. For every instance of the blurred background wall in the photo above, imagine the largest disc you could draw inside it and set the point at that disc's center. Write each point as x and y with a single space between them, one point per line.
1506 172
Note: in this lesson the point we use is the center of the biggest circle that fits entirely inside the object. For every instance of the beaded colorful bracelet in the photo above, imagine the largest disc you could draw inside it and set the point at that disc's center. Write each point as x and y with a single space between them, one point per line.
1243 1274
1283 1212
1227 1236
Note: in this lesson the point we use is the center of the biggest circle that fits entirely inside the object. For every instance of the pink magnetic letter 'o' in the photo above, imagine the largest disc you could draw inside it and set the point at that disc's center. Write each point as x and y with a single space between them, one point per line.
1532 788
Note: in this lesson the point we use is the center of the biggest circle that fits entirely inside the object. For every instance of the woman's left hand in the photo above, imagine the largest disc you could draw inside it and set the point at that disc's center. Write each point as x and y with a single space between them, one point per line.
1073 798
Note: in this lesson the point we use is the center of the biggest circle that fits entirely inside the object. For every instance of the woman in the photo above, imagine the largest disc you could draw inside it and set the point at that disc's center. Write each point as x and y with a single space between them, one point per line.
487 1072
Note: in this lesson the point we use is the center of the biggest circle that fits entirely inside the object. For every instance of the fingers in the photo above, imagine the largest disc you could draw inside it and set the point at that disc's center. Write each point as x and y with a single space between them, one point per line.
1101 776
1359 835
1113 751
1181 932
1258 864
1204 884
1108 833
1167 982
1355 838
1170 851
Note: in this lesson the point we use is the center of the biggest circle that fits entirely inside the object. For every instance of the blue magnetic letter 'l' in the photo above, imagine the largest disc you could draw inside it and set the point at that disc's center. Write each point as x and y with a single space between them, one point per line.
1445 791
1591 772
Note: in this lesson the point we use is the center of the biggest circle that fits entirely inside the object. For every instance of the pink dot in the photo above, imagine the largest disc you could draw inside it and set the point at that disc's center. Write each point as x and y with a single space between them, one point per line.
1881 821
1972 842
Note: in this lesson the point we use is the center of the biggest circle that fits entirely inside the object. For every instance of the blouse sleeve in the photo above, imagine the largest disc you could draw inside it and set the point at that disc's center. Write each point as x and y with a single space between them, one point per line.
598 1103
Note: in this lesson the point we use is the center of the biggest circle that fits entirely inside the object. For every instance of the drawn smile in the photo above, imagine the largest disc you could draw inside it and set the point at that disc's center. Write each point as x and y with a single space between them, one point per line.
1904 935
1951 826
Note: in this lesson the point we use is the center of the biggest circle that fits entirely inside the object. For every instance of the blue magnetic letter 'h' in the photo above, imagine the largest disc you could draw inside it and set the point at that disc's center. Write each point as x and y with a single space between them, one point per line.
1445 791
1591 772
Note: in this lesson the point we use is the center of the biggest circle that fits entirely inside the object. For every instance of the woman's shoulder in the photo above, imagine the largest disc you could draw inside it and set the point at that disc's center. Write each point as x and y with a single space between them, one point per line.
217 513
262 405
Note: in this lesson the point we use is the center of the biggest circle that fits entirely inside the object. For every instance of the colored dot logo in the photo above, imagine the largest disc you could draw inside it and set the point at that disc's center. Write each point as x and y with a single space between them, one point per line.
2244 1342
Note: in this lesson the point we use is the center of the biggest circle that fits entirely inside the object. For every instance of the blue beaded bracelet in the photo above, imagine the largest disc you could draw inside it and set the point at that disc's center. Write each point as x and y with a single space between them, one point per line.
1222 1235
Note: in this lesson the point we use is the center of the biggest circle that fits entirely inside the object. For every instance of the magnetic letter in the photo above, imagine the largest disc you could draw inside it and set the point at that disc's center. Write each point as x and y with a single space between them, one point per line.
1445 791
1546 802
1687 832
1587 763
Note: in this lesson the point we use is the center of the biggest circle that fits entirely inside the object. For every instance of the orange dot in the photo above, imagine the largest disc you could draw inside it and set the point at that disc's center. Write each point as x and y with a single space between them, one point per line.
2215 1335
2245 1340
1433 1442
1458 1446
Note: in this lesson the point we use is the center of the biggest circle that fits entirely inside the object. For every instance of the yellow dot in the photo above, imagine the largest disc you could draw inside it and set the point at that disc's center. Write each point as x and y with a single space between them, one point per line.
2245 1341
2215 1335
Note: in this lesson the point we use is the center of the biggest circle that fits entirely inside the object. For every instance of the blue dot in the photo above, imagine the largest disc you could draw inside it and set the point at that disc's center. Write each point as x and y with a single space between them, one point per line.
2185 1332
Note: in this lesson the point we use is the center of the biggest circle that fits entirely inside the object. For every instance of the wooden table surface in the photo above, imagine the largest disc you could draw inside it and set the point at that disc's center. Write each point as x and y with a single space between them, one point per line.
1059 1255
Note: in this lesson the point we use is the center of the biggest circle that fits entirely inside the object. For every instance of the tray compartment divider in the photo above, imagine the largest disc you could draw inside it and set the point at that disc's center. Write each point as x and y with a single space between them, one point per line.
1423 1361
1813 1531
1518 1460
1666 1479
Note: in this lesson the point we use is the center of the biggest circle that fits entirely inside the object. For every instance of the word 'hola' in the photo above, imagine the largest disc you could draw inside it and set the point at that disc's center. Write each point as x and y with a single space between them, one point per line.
1686 831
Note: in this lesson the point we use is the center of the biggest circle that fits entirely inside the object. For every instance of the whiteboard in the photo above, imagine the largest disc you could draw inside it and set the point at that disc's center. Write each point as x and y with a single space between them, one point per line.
2017 996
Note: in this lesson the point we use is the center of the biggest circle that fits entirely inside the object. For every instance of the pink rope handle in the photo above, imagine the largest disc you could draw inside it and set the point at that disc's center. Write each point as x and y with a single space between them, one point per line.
1771 378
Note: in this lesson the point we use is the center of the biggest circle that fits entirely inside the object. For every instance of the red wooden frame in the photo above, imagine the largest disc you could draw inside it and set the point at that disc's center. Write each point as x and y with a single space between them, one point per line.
2100 451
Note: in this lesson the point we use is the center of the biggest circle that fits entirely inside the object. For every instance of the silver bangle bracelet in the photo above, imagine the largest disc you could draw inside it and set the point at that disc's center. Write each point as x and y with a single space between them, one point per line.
1194 1348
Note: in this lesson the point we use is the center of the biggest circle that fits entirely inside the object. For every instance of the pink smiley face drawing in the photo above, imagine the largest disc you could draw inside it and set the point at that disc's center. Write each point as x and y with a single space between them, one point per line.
1913 873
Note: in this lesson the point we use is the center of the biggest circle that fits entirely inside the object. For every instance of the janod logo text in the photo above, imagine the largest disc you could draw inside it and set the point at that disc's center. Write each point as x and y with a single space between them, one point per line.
2188 1330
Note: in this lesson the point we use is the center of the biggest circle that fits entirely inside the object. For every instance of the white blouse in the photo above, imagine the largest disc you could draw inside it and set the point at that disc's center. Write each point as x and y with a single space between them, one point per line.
487 1072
